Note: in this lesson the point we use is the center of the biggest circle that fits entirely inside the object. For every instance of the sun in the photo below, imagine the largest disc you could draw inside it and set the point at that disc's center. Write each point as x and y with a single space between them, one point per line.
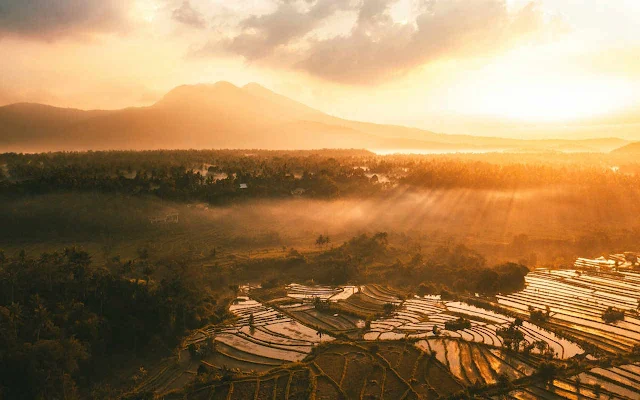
520 87
555 101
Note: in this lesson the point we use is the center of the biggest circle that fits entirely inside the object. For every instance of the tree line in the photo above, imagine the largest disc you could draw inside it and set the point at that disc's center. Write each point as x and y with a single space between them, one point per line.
216 175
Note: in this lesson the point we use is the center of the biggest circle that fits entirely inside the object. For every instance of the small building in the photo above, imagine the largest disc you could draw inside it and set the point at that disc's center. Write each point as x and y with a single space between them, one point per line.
243 186
597 264
613 262
298 192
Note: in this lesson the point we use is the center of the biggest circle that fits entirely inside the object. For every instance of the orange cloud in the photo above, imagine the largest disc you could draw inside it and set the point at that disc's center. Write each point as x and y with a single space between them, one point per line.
378 47
188 15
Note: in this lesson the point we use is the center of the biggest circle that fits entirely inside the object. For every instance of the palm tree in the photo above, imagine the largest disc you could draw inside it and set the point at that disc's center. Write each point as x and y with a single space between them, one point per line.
252 327
10 276
15 316
41 315
147 271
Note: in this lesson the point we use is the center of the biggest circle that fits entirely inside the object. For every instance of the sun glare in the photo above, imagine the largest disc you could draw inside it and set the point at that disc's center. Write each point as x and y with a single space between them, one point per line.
555 101
146 10
534 85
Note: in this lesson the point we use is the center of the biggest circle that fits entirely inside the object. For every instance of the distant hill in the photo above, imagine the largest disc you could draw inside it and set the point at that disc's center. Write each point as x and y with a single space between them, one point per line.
222 115
631 148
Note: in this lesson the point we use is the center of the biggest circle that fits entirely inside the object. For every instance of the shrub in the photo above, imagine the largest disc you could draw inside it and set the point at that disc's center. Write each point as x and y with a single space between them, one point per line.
426 288
458 324
388 308
447 295
271 283
511 336
611 315
547 371
538 316
193 350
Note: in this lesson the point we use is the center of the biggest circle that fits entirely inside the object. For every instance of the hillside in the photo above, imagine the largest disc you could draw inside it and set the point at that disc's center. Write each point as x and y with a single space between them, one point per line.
631 148
222 115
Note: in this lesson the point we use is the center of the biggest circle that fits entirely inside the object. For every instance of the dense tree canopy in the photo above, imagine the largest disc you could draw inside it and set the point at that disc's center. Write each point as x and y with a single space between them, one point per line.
215 176
60 317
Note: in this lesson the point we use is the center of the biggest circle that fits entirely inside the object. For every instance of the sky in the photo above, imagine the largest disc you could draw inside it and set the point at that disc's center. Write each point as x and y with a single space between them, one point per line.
514 68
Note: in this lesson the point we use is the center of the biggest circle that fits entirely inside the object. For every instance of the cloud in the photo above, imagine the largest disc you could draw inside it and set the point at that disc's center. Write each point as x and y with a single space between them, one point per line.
187 15
379 48
51 19
261 35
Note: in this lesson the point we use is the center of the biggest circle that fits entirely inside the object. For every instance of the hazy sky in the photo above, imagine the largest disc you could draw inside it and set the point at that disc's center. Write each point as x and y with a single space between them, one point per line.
503 67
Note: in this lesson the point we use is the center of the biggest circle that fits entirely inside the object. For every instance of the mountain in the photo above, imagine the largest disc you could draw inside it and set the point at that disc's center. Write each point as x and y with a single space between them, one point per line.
223 115
631 148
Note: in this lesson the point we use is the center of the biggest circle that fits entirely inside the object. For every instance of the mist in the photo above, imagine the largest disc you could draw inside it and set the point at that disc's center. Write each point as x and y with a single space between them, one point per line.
110 225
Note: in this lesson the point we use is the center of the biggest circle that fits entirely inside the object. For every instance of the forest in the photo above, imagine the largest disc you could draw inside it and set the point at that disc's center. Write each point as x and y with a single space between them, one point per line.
215 176
66 322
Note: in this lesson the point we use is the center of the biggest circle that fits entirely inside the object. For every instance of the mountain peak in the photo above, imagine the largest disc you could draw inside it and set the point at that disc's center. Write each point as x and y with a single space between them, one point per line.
225 85
253 87
200 93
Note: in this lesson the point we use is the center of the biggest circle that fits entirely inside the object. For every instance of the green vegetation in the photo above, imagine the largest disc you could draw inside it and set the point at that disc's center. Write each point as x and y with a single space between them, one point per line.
547 371
612 315
511 336
63 320
458 324
215 176
539 316
461 269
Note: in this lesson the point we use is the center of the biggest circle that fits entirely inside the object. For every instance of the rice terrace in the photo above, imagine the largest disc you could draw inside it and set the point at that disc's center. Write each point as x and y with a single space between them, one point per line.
550 340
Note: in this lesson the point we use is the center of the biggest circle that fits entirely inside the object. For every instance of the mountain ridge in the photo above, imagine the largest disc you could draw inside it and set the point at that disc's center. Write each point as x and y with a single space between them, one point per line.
631 148
223 115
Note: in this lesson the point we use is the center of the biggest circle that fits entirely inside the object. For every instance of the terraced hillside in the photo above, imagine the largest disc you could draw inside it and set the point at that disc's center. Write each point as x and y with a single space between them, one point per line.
346 371
576 301
260 339
282 384
475 364
418 317
328 320
417 348
369 301
328 293
390 370
620 382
